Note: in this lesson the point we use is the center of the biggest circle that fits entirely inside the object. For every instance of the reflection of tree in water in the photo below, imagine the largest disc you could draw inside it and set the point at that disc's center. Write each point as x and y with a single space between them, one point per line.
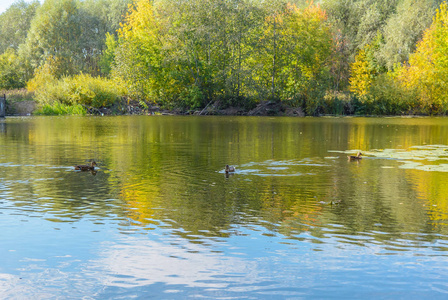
168 172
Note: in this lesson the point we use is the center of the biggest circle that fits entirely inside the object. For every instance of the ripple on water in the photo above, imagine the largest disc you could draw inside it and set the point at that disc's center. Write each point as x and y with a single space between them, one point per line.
428 158
160 220
302 167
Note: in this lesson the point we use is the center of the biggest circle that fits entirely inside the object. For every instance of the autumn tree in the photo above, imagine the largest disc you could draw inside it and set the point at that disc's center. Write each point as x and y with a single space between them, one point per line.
138 59
292 56
366 67
428 65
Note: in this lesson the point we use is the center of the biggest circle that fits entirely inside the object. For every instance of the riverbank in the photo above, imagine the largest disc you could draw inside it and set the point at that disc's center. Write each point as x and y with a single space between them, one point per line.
23 103
267 108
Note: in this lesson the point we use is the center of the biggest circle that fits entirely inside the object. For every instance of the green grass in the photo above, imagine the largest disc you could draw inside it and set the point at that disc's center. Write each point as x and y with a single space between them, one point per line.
57 108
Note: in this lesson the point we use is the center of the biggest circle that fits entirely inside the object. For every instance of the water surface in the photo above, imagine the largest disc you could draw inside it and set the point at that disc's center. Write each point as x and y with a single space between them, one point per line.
161 219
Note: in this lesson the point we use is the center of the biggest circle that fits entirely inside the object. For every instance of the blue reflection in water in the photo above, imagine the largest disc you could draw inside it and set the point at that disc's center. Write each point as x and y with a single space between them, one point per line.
260 267
339 230
46 260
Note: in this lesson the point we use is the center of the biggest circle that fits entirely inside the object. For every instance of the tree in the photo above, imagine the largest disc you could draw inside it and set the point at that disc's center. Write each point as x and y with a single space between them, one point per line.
187 52
138 60
55 33
11 72
357 24
15 23
293 56
108 55
404 29
72 32
428 65
100 21
193 52
366 67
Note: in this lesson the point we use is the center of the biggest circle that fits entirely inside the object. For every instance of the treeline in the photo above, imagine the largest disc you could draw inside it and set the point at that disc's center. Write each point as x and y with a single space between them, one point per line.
344 57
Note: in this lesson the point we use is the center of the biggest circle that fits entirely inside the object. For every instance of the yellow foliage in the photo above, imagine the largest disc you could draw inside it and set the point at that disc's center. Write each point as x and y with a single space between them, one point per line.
361 76
44 74
428 65
140 23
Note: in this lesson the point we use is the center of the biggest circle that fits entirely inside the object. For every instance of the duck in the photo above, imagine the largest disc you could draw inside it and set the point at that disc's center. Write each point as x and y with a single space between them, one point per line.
89 167
230 169
355 157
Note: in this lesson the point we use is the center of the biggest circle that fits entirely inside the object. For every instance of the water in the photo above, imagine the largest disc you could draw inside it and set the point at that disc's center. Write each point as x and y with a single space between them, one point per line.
160 219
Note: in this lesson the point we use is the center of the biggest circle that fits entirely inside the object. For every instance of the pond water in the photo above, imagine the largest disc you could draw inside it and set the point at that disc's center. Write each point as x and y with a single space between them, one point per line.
161 219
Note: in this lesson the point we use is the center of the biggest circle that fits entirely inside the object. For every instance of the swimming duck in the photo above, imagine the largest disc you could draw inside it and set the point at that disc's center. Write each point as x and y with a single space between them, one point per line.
230 169
355 157
90 167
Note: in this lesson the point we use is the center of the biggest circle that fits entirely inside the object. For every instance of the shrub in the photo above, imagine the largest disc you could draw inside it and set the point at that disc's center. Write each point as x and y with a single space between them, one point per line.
388 97
338 103
58 108
81 89
42 76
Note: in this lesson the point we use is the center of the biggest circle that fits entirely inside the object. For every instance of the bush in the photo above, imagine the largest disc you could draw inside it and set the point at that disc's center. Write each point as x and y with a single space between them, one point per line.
58 108
192 98
81 89
389 97
338 103
43 75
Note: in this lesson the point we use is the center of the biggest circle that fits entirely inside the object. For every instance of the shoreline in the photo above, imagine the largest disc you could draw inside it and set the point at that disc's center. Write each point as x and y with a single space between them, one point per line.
266 108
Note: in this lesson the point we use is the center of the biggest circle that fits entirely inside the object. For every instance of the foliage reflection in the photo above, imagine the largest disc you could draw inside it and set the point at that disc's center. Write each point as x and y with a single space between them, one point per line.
292 176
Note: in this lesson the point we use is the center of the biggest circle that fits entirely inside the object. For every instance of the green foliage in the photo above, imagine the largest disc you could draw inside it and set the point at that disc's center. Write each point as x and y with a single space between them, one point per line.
193 52
404 29
71 32
192 98
108 55
359 21
366 68
389 97
52 35
57 108
337 103
15 23
81 89
11 71
189 53
295 47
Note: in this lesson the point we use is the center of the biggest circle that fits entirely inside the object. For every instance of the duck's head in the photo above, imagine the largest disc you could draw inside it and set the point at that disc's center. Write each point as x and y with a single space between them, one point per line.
227 168
93 163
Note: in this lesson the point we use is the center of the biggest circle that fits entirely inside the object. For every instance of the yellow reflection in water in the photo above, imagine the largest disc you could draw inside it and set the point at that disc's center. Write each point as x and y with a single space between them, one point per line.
169 168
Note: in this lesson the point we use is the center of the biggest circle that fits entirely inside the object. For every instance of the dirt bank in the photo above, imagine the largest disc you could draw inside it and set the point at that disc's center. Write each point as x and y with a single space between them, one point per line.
20 108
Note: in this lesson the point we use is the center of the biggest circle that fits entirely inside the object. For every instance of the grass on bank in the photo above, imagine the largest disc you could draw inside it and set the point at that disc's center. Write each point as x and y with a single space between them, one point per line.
57 108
